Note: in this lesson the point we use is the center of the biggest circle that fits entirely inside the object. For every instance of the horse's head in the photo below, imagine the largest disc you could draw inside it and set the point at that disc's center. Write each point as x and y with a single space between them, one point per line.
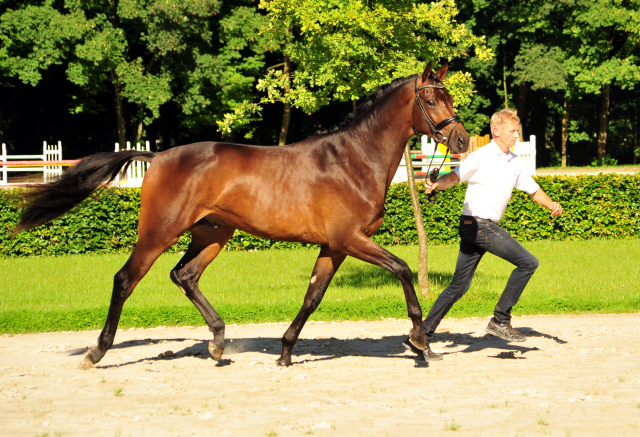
433 112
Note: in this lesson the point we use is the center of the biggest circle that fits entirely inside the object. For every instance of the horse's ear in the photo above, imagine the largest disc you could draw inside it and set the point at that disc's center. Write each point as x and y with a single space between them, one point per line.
426 74
442 71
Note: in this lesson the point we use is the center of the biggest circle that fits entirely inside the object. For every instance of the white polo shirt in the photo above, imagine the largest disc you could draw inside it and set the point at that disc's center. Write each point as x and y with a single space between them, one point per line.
492 175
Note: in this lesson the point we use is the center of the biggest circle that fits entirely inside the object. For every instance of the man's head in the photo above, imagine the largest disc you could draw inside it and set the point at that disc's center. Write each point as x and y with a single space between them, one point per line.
505 126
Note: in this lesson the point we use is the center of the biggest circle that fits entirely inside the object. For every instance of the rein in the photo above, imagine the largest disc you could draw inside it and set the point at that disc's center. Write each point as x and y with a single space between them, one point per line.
437 134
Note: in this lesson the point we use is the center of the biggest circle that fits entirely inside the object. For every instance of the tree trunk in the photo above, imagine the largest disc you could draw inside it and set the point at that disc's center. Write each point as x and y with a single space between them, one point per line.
423 269
140 123
139 134
635 136
286 116
565 133
121 126
604 122
521 99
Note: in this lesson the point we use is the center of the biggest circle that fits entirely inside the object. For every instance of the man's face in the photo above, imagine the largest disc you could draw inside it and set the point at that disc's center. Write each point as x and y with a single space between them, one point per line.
506 133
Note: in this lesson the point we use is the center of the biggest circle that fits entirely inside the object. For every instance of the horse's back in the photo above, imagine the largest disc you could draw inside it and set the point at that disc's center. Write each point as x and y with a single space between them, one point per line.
287 193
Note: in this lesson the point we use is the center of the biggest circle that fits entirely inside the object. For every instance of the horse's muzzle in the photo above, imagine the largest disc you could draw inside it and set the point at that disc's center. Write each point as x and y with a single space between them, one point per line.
458 139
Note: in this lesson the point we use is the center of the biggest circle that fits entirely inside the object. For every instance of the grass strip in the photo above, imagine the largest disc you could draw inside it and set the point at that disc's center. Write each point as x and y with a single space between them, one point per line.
73 292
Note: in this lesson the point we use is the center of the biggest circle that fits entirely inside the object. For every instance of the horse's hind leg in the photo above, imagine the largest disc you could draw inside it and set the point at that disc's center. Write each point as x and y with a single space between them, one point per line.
206 243
144 255
326 266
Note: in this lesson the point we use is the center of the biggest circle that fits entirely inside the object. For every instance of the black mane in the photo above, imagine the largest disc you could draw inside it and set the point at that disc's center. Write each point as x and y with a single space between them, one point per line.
365 106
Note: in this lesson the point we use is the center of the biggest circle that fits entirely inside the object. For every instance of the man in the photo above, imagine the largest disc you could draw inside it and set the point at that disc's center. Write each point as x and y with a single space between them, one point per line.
492 173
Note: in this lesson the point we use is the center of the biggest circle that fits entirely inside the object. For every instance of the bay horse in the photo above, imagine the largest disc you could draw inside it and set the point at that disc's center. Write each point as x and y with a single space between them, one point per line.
328 189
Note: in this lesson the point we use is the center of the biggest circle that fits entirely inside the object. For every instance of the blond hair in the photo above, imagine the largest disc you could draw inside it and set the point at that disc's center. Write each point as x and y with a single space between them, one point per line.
504 116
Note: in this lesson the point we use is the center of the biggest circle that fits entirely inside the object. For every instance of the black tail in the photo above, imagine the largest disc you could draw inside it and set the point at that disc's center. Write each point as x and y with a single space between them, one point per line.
48 201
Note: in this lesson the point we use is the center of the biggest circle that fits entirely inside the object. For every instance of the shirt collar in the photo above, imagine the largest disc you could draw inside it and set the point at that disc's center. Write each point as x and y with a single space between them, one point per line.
496 149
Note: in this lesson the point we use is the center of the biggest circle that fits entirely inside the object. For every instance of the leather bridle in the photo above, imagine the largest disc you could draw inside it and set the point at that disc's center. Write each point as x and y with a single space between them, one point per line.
436 129
436 133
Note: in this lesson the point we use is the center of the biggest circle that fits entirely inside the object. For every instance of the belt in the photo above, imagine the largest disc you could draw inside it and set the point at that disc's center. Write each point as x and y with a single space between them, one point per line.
478 219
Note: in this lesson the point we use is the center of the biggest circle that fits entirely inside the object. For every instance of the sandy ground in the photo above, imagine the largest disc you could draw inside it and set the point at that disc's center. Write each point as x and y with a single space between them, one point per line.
574 375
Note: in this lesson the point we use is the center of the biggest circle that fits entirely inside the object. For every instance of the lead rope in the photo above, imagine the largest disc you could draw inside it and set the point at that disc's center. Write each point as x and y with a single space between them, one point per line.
433 177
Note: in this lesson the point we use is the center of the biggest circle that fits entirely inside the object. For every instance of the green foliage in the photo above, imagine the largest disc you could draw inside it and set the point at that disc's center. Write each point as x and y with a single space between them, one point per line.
602 206
346 49
528 67
33 38
603 37
605 161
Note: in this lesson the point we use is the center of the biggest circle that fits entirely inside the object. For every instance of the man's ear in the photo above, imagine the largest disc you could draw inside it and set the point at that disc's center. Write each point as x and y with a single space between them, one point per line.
426 74
442 71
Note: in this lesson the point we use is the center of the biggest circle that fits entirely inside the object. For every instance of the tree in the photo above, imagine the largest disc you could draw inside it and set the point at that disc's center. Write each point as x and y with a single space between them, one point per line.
132 46
32 39
345 49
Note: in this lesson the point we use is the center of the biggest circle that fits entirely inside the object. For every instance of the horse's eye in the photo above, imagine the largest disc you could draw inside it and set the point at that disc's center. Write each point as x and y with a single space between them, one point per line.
431 103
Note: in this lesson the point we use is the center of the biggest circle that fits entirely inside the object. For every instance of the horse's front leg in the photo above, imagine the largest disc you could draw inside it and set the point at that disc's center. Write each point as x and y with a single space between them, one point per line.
326 266
361 247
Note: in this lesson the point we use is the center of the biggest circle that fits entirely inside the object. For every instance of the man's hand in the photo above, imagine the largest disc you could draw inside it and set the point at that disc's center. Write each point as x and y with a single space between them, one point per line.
442 183
429 186
555 208
541 198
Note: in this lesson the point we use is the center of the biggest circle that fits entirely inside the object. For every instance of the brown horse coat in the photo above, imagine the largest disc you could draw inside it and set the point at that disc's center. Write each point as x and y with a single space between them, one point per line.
328 190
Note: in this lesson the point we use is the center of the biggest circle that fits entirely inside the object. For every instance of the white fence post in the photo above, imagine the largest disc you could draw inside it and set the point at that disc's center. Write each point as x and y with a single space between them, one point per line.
136 170
51 152
3 158
527 152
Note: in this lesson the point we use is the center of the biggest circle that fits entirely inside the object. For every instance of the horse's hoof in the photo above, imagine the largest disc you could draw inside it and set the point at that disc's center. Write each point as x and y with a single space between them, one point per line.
284 362
85 365
418 339
89 360
216 351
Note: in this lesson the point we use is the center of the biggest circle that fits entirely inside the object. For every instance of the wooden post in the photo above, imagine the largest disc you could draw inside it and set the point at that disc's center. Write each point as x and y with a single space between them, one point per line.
423 243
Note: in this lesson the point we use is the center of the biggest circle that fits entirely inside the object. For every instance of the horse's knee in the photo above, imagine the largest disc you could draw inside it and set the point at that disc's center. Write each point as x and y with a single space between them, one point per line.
122 285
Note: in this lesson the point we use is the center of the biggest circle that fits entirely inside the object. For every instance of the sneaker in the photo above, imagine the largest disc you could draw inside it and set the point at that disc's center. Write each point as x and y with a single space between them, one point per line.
505 331
428 354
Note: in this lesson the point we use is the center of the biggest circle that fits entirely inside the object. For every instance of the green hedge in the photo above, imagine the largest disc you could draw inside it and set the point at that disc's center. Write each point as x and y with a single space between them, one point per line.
601 206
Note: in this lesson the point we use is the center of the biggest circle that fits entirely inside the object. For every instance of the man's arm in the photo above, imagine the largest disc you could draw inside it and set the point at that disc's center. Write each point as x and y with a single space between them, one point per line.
442 183
541 198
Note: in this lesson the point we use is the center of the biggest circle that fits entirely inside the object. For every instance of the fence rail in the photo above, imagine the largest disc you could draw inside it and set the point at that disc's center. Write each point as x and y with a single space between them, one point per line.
49 163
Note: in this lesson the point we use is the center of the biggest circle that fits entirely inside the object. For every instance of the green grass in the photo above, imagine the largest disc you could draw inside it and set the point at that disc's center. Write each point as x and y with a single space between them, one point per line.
73 292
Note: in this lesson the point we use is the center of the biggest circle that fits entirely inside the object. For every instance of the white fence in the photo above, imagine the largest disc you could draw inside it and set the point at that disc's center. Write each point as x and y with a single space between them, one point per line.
525 150
50 152
430 158
135 173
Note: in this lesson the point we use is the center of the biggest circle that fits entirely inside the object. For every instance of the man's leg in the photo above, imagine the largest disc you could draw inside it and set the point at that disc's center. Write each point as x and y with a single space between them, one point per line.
468 259
507 248
469 256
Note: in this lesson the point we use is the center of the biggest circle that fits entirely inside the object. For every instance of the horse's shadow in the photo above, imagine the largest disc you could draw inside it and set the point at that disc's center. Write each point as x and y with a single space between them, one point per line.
312 350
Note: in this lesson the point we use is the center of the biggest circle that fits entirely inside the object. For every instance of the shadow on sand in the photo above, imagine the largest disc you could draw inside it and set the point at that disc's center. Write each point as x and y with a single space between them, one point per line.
313 350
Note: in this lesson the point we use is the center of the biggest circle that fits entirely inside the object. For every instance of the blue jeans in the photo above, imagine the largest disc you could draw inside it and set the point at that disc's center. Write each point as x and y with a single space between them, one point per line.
478 237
